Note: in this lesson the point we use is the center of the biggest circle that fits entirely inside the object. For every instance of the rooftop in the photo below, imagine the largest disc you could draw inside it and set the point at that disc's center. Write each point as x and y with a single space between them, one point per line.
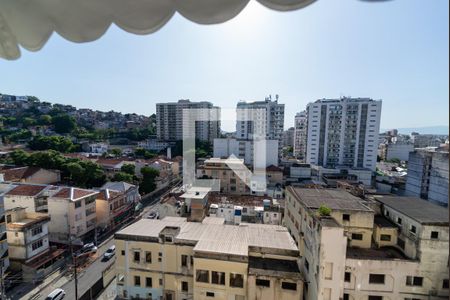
383 253
420 210
196 192
382 222
72 193
214 238
120 186
336 199
17 174
26 190
273 267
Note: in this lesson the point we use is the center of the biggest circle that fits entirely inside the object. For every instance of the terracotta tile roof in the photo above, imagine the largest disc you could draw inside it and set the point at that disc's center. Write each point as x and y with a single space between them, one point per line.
109 161
26 190
107 194
17 174
273 168
73 193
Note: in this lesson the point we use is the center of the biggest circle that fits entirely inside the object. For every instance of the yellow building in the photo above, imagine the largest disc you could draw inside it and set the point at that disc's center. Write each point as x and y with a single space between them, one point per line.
176 259
385 248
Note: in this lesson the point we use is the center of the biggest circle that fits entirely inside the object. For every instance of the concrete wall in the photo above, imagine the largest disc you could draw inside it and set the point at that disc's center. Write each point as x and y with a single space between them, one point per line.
400 151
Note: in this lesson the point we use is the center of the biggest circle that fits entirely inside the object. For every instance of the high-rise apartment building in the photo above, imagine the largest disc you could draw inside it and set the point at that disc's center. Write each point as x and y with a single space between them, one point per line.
269 111
300 135
169 121
389 247
428 175
4 256
176 259
343 132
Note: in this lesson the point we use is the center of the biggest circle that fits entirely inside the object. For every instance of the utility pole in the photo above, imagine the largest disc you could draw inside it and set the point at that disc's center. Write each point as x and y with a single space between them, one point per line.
2 283
74 263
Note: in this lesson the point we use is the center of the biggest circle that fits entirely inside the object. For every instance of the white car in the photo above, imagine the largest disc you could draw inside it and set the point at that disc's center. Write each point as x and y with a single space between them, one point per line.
109 253
57 294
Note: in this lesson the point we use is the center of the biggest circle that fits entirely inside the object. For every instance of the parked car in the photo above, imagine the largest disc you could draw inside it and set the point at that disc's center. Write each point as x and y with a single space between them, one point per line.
87 249
57 294
152 215
109 253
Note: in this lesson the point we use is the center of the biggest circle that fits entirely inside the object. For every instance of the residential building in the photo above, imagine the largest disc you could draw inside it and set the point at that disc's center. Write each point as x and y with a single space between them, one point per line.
230 182
427 140
389 247
288 137
32 197
271 112
428 175
131 191
244 149
343 132
72 214
4 254
398 151
169 121
28 240
300 135
175 259
112 209
153 144
34 175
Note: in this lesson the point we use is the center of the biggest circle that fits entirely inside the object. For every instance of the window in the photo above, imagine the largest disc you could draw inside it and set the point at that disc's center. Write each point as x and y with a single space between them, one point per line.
347 276
399 220
36 230
357 236
376 278
413 229
168 239
123 252
375 298
289 286
346 297
148 282
184 260
209 294
137 256
445 284
37 245
202 276
184 286
148 257
345 217
161 282
385 237
414 281
434 235
401 243
137 280
263 282
236 280
77 204
306 264
218 278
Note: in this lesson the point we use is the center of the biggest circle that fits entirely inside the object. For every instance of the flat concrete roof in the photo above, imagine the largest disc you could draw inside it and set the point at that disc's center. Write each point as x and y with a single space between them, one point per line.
420 210
214 238
196 193
383 253
336 199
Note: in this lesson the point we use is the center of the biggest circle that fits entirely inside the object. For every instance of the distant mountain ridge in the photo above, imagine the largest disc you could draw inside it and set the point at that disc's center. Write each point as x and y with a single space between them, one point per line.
441 129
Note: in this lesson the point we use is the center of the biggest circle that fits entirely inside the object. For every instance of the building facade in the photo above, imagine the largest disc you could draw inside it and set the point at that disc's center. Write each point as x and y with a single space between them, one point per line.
4 253
169 121
176 259
300 135
343 132
398 151
244 149
428 175
270 111
389 247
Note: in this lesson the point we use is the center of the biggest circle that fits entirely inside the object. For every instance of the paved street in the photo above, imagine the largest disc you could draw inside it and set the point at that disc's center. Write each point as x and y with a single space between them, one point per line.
87 277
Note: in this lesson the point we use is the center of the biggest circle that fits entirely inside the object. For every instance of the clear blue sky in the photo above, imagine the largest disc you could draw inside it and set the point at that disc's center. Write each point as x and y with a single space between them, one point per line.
396 51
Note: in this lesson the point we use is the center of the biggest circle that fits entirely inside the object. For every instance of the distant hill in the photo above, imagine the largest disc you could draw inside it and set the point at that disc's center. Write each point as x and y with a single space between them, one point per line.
443 129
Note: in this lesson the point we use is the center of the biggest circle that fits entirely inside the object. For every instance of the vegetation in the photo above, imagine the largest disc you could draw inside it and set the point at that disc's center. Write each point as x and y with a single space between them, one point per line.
64 123
142 153
324 210
123 176
148 184
58 143
128 169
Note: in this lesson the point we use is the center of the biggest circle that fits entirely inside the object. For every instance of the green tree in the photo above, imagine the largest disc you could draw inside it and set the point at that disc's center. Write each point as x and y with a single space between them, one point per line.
26 122
64 123
128 168
123 176
148 184
58 143
324 210
19 157
45 120
116 152
76 171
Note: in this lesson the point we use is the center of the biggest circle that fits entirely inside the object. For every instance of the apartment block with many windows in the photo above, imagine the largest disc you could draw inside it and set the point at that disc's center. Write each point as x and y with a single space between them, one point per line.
343 132
176 259
388 247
